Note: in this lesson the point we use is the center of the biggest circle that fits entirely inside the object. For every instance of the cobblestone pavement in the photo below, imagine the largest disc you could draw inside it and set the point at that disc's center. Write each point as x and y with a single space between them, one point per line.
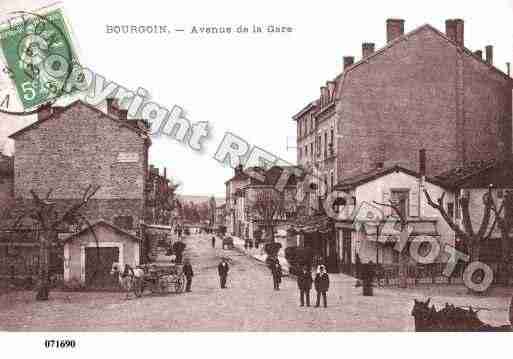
249 304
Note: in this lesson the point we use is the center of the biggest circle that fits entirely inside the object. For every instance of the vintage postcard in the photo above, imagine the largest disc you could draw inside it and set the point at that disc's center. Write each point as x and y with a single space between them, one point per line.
266 166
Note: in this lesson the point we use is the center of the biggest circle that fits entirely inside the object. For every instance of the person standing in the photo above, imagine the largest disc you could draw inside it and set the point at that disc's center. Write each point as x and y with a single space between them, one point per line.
223 269
304 282
189 273
213 241
277 274
322 284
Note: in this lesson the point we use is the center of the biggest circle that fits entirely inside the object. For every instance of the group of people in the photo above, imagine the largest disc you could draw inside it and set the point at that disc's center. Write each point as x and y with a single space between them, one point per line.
321 284
223 269
304 282
321 281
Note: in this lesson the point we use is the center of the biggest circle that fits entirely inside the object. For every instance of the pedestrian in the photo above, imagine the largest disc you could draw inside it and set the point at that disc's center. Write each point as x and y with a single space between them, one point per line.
223 269
277 274
322 284
304 282
189 273
213 241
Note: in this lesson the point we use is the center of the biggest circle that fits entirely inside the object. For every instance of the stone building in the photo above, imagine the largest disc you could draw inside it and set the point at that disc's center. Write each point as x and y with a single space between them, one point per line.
423 90
66 150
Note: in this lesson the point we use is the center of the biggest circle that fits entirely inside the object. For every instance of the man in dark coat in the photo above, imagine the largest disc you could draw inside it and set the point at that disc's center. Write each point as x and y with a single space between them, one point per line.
322 284
189 273
223 269
277 274
213 241
304 282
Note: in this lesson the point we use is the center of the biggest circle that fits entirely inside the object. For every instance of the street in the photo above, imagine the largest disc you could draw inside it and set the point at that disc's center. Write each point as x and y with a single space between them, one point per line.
248 304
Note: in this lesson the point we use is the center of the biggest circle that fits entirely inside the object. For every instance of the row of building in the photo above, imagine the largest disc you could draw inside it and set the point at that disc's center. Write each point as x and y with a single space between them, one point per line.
67 150
423 112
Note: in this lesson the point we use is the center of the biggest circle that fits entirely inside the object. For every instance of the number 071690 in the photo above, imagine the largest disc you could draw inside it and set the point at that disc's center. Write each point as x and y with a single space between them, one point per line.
60 344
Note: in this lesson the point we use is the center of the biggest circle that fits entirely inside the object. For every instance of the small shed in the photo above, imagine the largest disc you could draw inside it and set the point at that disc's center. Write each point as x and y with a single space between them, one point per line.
90 261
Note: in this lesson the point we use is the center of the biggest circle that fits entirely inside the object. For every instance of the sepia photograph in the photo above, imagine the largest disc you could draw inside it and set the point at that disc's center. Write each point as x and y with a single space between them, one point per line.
255 173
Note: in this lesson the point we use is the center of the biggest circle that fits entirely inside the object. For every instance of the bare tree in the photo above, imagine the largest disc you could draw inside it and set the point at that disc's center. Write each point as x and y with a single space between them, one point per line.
267 206
403 222
48 223
504 217
471 239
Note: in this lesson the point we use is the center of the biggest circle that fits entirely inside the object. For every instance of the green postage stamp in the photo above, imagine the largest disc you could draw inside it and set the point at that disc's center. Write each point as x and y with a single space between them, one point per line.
38 57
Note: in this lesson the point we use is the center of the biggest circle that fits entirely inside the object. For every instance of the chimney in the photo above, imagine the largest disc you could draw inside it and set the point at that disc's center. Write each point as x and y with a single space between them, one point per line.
122 114
331 88
479 54
238 169
324 95
489 54
395 28
422 162
112 106
44 111
460 34
450 29
508 68
165 173
348 61
367 49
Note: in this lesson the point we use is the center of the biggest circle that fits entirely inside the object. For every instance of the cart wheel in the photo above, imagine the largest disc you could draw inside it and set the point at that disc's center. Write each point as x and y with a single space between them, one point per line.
138 287
180 284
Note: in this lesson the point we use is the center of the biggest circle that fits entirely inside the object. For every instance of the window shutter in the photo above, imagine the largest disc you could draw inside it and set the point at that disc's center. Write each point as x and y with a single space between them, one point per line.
386 200
414 202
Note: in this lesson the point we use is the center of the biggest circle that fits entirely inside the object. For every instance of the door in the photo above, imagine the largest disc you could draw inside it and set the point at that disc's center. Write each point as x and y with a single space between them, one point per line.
98 264
346 250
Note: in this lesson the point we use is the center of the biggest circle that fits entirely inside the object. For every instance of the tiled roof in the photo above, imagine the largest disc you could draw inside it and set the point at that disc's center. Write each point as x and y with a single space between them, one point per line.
358 179
460 174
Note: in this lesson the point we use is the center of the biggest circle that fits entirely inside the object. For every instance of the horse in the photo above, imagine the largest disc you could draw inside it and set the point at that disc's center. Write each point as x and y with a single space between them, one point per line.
451 318
128 278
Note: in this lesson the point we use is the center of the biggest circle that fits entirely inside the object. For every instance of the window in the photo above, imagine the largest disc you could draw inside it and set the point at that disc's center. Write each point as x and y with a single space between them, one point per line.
450 209
299 154
306 126
311 149
325 144
401 197
457 205
125 222
332 180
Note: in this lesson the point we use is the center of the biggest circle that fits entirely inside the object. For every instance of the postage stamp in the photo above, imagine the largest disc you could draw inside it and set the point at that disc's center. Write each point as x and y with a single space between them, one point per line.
38 55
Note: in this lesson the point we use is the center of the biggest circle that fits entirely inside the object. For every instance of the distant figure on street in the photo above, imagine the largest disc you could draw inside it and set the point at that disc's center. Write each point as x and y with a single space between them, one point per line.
304 282
322 284
223 269
213 241
277 274
189 273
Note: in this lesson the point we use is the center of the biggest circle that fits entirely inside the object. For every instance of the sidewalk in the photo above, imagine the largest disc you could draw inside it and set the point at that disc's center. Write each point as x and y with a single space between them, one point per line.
259 254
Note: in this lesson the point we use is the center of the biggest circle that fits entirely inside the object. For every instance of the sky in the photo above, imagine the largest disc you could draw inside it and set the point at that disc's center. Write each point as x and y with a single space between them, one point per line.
250 85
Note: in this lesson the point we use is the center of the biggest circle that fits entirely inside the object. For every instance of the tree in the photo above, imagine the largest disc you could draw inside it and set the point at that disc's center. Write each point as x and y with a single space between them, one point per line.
470 239
504 217
266 207
49 222
403 223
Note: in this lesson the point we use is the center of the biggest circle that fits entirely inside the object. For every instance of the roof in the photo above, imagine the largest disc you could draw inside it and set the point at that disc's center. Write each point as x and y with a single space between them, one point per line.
71 105
271 176
459 176
365 60
106 224
356 180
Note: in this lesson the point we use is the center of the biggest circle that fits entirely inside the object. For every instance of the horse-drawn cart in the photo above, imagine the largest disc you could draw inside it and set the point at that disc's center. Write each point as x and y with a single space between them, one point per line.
160 278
